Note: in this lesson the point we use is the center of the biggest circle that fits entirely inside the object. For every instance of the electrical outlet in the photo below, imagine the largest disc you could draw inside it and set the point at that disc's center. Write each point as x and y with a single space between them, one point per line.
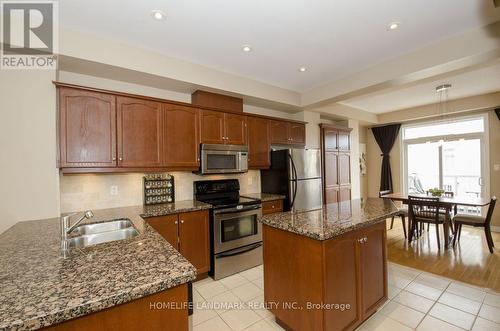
114 190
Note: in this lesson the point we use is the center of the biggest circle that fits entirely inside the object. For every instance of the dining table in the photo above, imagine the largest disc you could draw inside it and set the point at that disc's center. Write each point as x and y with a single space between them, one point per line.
446 202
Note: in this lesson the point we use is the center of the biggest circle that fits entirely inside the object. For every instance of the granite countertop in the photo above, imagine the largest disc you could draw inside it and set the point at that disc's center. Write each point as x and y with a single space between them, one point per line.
38 287
264 196
333 219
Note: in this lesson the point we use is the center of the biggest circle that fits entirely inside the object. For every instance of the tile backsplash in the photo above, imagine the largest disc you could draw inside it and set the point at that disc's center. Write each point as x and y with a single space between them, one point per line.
99 191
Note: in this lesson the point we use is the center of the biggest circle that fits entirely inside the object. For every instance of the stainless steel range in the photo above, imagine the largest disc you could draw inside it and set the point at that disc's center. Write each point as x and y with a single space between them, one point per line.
236 234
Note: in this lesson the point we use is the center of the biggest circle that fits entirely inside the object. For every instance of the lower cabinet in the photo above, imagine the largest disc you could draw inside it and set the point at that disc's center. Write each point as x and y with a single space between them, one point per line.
189 234
349 271
271 207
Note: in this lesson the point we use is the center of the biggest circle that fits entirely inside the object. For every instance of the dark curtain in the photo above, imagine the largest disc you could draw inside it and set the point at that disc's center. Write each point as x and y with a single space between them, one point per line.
385 137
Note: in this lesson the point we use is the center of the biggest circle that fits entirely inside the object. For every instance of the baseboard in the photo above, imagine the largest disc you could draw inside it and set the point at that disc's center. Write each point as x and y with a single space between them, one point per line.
495 228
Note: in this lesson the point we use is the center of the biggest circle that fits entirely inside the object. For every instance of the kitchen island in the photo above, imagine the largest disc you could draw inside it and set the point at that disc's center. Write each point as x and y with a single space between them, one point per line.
326 269
118 285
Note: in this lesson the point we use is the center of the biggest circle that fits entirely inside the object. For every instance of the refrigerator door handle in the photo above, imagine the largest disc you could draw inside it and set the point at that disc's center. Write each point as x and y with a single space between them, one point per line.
294 180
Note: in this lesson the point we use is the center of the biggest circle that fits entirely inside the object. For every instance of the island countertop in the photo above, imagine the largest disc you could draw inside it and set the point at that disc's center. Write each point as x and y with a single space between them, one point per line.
39 287
333 219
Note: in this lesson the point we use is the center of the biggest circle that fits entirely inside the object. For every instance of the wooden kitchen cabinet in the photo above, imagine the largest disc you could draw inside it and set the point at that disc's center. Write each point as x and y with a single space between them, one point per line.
235 127
189 234
279 132
181 137
212 127
87 129
336 163
223 128
259 153
286 133
350 269
140 132
271 207
168 227
297 133
194 241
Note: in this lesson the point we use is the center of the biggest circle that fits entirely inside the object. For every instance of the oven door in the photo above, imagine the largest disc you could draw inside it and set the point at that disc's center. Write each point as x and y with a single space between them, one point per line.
234 228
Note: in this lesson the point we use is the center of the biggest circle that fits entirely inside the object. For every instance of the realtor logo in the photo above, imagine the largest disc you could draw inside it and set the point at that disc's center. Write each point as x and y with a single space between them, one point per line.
29 34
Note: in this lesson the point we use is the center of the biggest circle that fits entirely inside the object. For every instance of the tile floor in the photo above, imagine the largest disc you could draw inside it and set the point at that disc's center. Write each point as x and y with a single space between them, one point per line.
417 301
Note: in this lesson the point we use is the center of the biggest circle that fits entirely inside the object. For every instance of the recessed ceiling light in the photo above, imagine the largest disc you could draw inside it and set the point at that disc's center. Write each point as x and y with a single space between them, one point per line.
393 26
302 69
246 48
158 15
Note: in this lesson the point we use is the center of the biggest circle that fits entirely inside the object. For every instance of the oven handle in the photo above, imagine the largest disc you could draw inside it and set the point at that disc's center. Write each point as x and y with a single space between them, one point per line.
239 251
236 211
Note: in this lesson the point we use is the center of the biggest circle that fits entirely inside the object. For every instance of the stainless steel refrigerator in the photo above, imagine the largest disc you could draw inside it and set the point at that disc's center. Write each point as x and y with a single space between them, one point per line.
295 173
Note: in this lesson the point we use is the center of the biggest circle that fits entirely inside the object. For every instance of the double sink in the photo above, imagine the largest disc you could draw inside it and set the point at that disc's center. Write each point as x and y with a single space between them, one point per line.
98 233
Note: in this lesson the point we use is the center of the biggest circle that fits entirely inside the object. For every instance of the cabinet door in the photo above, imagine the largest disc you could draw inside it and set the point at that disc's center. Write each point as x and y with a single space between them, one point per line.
259 153
342 281
87 129
344 193
279 132
373 260
297 133
330 140
235 129
140 126
212 127
194 239
344 141
344 165
331 177
181 143
167 227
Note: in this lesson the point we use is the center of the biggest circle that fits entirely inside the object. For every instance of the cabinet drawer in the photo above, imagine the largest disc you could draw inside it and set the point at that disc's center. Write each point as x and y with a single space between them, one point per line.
270 207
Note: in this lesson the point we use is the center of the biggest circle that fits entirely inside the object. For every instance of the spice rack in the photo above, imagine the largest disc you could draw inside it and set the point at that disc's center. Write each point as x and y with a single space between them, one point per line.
158 188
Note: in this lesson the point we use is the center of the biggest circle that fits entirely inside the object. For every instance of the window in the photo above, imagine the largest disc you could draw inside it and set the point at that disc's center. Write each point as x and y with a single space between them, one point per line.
451 155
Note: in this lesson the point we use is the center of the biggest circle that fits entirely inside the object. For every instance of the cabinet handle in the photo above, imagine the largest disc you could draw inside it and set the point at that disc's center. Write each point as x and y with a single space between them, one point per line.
176 222
120 159
365 240
272 206
182 221
360 240
114 158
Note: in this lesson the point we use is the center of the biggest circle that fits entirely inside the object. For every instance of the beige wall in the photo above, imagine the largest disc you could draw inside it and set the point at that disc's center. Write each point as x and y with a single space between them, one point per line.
29 182
374 161
363 180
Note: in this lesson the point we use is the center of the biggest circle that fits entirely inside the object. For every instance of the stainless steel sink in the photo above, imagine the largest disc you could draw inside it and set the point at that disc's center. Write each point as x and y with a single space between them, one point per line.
94 228
98 233
103 237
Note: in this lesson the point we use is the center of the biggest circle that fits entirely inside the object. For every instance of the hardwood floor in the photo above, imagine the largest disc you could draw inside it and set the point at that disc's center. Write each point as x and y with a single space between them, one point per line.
469 261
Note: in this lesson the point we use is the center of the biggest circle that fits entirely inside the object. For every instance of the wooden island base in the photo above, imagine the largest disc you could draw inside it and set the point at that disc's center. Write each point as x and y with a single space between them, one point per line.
147 313
333 284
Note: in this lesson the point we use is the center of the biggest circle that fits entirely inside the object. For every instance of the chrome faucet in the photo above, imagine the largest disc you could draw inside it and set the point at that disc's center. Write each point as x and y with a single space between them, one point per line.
67 228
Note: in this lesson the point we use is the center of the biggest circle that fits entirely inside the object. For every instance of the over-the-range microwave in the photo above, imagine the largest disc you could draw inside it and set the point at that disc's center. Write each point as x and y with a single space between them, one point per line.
223 159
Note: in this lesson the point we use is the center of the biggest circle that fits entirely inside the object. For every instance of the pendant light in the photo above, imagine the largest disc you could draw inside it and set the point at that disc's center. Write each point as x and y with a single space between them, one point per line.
442 91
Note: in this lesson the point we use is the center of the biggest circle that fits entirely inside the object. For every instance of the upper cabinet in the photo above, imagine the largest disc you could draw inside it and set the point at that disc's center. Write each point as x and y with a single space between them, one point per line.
286 133
212 127
140 132
223 128
235 129
104 131
181 137
87 129
259 155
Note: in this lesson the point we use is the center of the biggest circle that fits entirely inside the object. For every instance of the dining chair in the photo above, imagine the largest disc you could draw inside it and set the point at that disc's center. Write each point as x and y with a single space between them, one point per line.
447 194
424 210
402 212
476 221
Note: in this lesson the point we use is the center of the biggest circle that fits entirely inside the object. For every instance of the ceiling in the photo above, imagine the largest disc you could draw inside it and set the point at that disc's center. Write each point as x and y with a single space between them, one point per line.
331 38
473 82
